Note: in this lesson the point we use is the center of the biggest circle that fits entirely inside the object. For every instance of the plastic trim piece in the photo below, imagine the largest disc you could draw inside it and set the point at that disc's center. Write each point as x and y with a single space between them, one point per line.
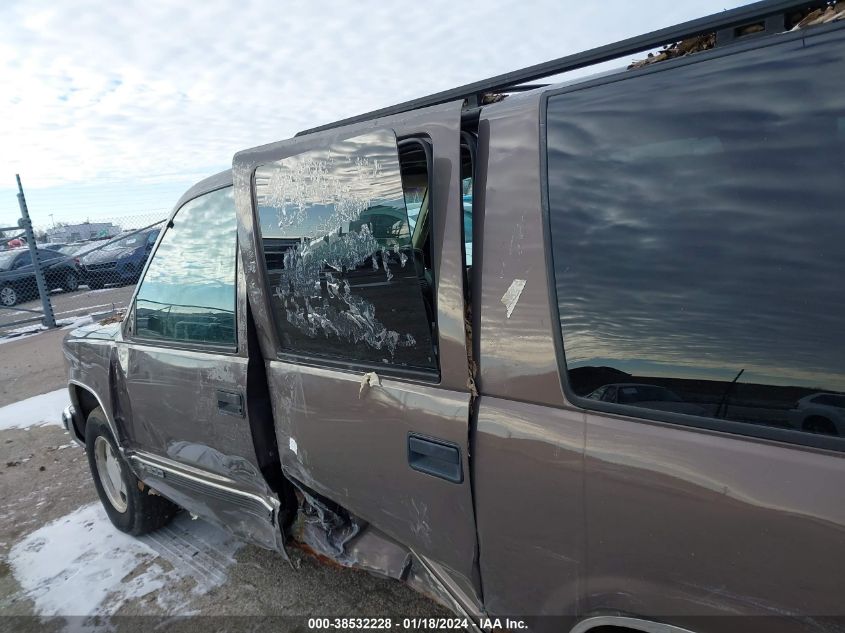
160 464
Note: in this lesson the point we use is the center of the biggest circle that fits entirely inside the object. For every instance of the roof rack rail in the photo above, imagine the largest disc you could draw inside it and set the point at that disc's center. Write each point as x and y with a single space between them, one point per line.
510 82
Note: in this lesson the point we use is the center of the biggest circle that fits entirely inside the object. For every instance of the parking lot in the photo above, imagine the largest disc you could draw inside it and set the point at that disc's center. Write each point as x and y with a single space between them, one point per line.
60 555
71 305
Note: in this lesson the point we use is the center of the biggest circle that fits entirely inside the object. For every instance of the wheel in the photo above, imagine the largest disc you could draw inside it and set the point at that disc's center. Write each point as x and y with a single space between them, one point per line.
71 282
8 296
129 503
819 424
95 284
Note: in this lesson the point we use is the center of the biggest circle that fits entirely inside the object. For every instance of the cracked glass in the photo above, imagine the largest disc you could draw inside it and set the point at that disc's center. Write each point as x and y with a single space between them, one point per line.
346 280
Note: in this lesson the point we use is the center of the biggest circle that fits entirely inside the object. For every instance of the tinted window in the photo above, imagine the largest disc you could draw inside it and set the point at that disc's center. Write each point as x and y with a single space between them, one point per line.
830 400
698 237
350 277
24 259
7 259
188 291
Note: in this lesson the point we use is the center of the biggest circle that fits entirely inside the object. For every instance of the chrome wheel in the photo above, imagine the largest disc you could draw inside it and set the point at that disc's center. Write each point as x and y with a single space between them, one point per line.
8 296
110 473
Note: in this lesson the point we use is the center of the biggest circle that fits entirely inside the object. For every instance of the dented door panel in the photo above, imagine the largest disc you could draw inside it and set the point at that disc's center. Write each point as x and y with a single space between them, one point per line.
184 407
349 443
342 431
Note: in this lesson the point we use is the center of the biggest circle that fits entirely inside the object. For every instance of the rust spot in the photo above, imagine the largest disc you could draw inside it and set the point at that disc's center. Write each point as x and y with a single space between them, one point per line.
320 557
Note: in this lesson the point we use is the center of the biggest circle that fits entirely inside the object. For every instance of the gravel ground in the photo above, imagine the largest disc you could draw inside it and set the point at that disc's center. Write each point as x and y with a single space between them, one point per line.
44 478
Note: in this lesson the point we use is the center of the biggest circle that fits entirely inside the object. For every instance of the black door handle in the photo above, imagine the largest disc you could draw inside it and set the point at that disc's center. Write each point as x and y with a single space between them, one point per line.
230 403
436 458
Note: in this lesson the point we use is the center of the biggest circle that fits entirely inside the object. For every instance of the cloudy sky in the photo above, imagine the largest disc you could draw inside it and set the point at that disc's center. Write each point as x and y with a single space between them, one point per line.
110 109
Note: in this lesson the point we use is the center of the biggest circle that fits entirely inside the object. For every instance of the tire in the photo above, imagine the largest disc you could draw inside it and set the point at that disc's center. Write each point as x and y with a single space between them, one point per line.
9 296
821 425
128 502
71 281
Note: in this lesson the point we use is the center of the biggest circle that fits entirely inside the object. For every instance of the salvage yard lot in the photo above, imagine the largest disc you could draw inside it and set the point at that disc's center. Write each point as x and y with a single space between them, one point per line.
59 555
69 305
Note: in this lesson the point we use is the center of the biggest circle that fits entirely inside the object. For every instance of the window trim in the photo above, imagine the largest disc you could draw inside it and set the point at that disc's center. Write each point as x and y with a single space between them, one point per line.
330 361
740 430
129 321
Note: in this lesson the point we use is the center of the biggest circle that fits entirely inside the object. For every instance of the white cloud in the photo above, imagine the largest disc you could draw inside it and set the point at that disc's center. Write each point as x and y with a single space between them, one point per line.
162 91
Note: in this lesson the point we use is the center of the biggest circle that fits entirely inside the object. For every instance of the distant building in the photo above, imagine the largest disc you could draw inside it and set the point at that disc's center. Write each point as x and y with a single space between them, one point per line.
82 232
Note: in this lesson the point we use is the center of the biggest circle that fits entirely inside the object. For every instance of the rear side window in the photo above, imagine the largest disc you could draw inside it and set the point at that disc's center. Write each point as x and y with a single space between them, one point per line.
188 291
350 271
697 238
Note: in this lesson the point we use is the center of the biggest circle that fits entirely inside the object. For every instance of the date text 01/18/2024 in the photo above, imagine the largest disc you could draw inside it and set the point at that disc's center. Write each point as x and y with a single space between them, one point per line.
410 624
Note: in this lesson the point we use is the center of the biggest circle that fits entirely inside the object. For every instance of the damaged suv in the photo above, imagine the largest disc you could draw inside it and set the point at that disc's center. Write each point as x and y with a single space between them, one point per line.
591 418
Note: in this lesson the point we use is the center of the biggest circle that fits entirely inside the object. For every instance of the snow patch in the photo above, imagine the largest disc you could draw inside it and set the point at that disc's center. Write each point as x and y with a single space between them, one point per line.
30 330
38 410
81 565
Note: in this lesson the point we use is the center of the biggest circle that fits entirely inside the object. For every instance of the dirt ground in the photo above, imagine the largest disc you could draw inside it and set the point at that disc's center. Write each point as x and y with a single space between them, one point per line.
44 477
31 365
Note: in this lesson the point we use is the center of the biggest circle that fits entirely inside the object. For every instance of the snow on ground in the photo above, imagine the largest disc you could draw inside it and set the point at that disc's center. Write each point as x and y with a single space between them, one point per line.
30 330
82 565
38 410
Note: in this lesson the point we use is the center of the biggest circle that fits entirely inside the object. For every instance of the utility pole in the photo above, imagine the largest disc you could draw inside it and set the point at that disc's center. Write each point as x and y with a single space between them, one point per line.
26 224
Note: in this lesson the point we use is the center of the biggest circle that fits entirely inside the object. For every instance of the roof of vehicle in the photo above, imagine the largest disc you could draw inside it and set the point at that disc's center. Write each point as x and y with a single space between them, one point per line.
217 181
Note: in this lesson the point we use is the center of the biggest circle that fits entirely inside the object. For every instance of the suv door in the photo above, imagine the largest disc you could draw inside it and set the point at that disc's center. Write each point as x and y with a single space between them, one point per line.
360 316
184 362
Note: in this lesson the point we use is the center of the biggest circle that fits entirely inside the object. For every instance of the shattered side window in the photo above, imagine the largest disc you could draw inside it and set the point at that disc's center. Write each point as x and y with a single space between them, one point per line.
344 278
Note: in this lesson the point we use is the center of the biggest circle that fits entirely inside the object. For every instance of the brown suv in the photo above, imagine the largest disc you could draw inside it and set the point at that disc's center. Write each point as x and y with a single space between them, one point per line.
537 356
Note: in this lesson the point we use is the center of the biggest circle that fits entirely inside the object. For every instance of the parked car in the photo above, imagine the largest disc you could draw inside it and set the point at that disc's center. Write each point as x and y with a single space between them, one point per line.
820 413
17 274
118 262
644 395
78 249
308 359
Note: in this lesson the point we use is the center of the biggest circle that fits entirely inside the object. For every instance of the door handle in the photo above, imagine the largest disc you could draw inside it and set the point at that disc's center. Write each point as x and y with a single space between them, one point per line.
436 458
230 403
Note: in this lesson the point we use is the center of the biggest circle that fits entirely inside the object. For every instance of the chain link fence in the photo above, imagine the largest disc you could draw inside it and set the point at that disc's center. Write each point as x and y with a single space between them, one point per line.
58 275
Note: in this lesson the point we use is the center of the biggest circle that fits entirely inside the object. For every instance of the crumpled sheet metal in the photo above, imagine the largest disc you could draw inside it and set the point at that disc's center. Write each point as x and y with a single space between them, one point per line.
328 531
831 13
822 16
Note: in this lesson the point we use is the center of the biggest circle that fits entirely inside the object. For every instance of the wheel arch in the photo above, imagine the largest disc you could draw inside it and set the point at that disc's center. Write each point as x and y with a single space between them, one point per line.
84 400
620 624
